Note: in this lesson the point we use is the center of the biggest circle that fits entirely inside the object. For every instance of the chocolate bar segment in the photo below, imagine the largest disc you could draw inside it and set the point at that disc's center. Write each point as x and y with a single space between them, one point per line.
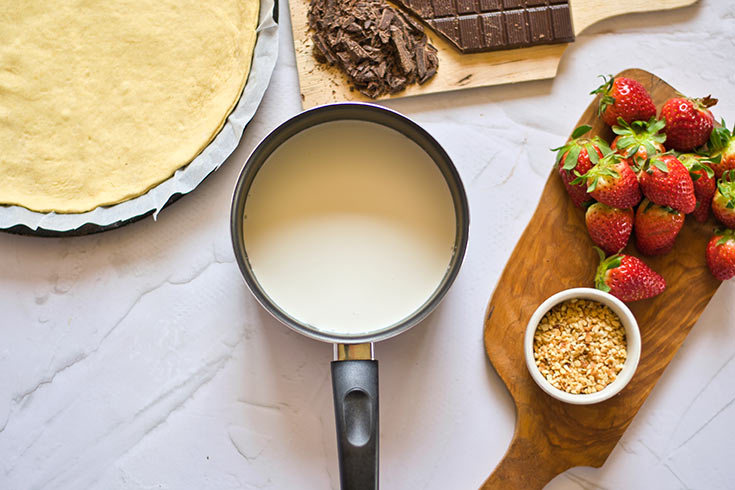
467 7
512 4
539 20
491 5
516 23
474 26
494 29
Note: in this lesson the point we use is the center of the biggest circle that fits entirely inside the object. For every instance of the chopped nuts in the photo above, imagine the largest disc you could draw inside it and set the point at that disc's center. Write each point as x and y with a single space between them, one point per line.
580 346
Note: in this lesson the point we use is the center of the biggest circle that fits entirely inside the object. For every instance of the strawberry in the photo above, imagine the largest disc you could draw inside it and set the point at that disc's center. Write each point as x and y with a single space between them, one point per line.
639 140
656 228
720 255
579 155
689 122
627 277
723 204
609 227
722 149
666 182
704 183
612 182
625 98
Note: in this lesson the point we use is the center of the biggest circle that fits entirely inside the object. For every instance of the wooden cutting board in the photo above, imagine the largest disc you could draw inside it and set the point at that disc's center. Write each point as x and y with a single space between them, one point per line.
322 84
555 253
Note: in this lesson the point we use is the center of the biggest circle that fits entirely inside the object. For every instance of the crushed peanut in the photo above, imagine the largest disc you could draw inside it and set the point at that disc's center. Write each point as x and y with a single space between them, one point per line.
580 346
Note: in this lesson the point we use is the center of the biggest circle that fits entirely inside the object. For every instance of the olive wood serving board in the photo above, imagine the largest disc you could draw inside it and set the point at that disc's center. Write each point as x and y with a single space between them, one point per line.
322 84
555 253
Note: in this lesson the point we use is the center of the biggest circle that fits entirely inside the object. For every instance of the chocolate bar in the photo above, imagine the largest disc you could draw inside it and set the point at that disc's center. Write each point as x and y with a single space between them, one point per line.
488 25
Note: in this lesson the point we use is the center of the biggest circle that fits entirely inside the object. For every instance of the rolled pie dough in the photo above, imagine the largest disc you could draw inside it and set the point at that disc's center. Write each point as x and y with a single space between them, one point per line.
102 100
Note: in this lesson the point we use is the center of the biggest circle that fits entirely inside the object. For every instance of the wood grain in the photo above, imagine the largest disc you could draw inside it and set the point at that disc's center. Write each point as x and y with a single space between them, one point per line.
322 84
555 253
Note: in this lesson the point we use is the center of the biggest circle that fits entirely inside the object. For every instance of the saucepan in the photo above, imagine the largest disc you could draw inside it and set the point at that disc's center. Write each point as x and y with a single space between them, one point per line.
349 223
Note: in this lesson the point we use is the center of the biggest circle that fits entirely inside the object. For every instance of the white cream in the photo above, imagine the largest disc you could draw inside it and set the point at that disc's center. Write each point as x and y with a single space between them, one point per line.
349 227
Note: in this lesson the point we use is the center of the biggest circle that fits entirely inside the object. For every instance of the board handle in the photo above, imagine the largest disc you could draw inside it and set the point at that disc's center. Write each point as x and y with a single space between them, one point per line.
525 466
586 12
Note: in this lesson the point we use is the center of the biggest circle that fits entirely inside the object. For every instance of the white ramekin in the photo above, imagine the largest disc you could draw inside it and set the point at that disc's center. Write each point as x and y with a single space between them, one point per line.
633 347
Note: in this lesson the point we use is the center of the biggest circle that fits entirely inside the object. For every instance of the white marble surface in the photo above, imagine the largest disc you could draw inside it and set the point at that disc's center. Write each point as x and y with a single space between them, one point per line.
137 359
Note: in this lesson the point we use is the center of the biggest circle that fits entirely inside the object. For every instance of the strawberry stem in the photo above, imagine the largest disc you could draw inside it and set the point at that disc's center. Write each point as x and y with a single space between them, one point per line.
605 265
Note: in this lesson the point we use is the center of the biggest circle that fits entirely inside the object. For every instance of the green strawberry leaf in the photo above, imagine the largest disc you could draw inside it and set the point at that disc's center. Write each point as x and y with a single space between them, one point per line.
601 270
570 161
603 146
727 235
561 150
605 102
580 178
726 186
592 153
559 154
638 164
701 166
606 264
608 172
719 138
661 166
615 262
626 142
620 130
650 149
656 125
606 85
581 130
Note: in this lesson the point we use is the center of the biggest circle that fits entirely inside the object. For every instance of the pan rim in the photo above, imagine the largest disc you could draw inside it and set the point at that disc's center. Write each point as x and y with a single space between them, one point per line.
362 112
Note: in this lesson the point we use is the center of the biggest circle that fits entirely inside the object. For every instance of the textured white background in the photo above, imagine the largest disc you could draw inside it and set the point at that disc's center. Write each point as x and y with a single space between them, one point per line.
137 359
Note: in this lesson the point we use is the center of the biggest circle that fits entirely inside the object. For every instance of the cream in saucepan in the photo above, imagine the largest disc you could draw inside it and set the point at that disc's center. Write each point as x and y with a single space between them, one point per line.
349 227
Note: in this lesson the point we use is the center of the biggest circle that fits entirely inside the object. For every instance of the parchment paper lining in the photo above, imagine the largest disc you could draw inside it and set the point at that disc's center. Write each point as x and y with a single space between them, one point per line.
186 178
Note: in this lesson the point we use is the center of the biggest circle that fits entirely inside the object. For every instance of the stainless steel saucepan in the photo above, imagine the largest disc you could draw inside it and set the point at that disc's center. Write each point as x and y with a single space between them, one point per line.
354 369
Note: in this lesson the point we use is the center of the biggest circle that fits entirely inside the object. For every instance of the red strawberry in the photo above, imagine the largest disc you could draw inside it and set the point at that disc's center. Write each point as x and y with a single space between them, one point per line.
627 277
612 182
656 228
666 182
639 140
704 183
720 255
579 155
723 204
722 149
626 98
609 227
689 122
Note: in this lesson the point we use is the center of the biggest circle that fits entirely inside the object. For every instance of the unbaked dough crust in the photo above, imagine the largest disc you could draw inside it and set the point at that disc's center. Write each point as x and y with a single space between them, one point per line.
102 100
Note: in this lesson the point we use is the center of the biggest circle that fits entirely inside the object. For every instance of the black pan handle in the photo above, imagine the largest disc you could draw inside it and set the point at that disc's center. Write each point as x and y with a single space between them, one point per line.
355 389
